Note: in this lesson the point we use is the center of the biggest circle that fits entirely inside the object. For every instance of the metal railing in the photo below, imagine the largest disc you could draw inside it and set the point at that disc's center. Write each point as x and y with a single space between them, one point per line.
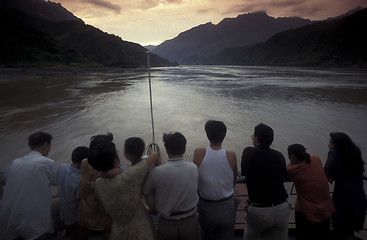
240 210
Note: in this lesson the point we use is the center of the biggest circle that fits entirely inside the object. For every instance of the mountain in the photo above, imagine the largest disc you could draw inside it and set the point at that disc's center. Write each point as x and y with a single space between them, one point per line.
22 45
150 47
198 43
54 36
338 42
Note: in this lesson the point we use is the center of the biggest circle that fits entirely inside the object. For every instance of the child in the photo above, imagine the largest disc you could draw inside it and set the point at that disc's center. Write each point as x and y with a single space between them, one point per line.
68 178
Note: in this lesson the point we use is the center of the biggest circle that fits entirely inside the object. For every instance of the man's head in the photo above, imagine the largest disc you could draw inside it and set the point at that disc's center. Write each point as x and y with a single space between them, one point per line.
175 143
79 154
134 148
263 135
215 131
41 142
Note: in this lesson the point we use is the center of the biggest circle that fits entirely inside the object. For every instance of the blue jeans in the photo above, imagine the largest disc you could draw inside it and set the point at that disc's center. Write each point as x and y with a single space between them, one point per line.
267 223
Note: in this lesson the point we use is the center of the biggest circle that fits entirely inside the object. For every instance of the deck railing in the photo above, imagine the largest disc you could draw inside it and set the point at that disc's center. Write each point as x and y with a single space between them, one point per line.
241 185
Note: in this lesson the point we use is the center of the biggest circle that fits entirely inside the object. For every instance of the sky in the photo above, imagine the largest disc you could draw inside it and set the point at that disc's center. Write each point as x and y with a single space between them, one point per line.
151 22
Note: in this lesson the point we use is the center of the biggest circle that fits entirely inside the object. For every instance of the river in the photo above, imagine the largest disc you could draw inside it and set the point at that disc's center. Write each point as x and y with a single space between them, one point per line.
302 105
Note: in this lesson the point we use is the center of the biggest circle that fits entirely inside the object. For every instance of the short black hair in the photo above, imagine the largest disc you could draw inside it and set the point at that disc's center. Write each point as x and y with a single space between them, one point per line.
79 153
264 134
134 146
37 139
175 143
102 156
94 140
215 131
102 152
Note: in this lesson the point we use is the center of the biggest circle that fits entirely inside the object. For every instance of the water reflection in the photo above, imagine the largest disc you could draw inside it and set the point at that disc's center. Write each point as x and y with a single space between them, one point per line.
302 105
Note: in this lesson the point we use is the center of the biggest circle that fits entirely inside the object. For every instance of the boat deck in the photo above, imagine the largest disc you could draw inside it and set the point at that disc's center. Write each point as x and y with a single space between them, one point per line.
240 192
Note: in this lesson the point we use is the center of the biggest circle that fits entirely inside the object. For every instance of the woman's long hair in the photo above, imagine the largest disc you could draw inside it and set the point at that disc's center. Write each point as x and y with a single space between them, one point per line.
349 153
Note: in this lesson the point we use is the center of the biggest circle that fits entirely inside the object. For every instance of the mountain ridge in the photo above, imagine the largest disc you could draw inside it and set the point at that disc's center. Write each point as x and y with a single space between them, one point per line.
201 41
338 42
62 35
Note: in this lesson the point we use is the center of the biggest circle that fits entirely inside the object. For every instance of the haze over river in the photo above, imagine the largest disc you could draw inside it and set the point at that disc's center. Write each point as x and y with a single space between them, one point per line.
301 105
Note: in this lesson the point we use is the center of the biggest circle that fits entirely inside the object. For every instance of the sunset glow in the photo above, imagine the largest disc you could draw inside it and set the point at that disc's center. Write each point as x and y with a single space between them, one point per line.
154 21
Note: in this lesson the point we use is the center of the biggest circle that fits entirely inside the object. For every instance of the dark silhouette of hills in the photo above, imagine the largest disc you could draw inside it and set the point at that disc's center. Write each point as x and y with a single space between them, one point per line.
48 10
39 33
338 42
195 45
23 45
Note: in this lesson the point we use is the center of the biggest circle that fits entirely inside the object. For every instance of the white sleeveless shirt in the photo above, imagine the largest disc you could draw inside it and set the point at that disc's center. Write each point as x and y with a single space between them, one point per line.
215 175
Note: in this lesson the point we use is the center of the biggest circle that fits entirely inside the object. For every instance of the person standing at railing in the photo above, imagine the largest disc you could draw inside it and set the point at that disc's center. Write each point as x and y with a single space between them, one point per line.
25 211
265 170
345 166
120 191
314 207
217 173
171 190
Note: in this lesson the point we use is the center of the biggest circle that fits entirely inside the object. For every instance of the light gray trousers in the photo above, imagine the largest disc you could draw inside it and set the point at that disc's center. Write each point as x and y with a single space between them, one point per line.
270 223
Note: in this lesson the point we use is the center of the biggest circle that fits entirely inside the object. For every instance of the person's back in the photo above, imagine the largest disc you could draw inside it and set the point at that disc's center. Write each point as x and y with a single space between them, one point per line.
217 173
265 170
120 192
26 204
313 193
91 214
68 178
171 190
177 181
313 207
216 177
345 166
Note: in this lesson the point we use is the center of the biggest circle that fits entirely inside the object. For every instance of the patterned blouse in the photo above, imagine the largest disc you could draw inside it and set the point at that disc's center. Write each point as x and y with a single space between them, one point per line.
121 197
91 213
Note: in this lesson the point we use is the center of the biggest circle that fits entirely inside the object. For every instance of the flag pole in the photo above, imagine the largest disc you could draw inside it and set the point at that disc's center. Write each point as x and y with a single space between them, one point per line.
150 94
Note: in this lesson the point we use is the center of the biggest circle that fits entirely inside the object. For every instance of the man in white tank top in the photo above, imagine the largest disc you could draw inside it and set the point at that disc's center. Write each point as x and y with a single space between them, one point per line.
217 174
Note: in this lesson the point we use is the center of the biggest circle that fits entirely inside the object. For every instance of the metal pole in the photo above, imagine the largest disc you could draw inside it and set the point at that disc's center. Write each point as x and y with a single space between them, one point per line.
150 94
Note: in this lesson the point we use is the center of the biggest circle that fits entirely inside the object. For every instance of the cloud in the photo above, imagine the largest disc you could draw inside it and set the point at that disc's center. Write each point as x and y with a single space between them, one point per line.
206 10
104 4
171 1
314 9
147 21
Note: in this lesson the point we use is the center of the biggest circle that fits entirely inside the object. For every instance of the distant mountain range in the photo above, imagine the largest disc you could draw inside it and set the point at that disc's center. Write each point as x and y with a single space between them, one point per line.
195 45
38 33
258 39
338 42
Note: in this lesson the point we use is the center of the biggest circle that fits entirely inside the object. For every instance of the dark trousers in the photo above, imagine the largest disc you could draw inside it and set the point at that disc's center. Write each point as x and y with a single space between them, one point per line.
311 230
217 219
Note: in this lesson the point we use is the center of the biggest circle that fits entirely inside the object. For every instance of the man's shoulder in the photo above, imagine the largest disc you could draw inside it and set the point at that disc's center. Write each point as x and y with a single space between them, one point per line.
276 152
46 160
249 149
200 150
65 165
68 168
168 167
